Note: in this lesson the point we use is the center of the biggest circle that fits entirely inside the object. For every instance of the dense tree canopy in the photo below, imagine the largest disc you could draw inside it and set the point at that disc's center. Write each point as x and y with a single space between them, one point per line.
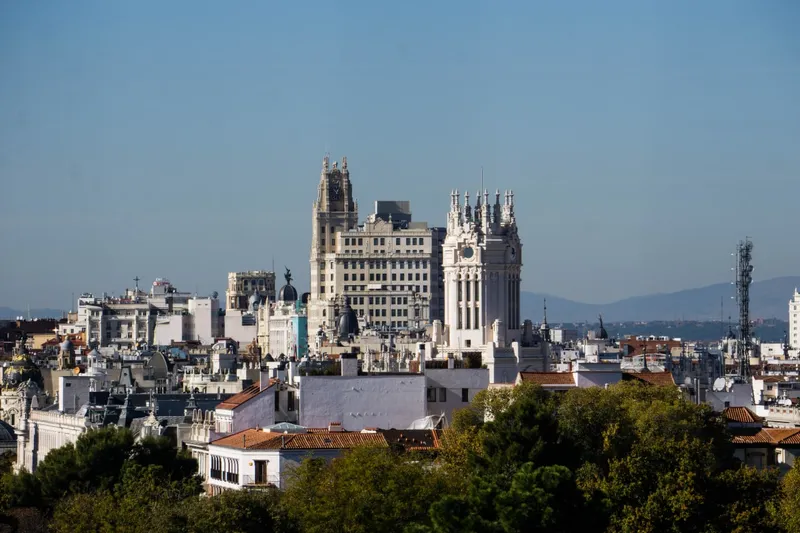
627 458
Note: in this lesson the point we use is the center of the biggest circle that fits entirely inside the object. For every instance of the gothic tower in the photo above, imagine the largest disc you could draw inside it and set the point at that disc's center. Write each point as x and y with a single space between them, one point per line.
333 211
482 260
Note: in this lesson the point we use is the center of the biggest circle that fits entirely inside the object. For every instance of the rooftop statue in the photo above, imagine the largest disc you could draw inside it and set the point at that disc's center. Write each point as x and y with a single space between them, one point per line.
288 276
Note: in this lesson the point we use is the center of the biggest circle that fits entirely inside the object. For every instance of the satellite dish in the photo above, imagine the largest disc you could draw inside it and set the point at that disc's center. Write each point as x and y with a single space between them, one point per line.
76 370
719 385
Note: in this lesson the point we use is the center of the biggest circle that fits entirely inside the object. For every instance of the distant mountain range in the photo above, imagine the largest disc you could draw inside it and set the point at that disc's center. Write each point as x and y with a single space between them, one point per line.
6 313
768 299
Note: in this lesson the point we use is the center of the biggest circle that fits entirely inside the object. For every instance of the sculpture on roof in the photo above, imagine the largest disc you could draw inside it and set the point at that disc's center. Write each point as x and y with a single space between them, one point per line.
288 276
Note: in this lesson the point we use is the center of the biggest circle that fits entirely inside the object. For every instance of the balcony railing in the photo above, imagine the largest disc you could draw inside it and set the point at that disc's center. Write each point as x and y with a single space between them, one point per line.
261 481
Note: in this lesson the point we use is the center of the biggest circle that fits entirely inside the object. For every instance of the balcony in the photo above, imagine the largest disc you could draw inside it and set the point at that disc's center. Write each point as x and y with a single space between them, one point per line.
261 481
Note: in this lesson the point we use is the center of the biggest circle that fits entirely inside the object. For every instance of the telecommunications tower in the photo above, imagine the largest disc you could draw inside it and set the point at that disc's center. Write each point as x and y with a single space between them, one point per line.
744 277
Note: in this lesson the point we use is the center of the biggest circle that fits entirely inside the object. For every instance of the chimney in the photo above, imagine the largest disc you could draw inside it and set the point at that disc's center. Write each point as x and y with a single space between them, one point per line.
451 363
349 364
335 427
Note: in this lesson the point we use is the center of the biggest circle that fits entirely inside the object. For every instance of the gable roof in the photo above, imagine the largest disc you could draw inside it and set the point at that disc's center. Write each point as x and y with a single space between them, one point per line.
548 378
660 379
742 415
245 396
258 439
773 436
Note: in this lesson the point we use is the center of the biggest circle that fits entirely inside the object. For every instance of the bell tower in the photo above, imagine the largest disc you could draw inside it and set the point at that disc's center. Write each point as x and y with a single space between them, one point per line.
333 211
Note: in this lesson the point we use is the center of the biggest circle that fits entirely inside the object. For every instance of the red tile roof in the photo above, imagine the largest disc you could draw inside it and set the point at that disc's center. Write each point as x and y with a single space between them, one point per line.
548 378
770 379
246 395
661 379
774 436
258 439
743 415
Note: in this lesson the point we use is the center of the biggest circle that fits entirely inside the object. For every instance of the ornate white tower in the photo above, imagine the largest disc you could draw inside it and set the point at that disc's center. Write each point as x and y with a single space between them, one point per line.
333 211
482 260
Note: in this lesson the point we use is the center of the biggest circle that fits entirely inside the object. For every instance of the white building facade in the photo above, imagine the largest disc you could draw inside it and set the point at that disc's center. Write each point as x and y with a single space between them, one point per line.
794 320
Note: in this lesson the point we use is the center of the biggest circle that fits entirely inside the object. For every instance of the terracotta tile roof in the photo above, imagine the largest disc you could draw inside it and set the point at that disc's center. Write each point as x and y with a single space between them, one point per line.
548 378
774 436
661 379
770 379
413 439
246 395
743 415
257 439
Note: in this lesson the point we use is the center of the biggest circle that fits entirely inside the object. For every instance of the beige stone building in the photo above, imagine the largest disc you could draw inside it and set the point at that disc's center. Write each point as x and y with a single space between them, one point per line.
389 267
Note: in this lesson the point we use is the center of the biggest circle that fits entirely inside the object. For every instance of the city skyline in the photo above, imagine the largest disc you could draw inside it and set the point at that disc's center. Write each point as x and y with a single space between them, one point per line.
642 142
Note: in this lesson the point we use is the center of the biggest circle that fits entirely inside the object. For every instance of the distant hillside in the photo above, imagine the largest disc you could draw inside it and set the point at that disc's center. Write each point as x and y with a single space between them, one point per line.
6 313
768 299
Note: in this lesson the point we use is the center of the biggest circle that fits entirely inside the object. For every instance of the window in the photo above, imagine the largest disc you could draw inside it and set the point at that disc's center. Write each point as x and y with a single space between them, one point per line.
375 241
414 241
277 400
465 395
290 402
383 241
420 241
442 394
360 241
431 394
397 241
408 241
346 241
346 276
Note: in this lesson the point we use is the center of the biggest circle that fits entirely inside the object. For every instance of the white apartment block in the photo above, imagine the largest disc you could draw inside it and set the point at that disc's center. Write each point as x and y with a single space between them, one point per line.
389 267
161 317
794 320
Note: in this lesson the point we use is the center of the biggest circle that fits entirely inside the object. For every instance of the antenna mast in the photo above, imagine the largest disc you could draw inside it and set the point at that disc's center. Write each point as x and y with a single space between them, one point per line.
744 277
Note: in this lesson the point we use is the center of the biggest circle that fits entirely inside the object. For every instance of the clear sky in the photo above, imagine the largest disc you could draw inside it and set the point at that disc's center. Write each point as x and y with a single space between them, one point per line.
184 139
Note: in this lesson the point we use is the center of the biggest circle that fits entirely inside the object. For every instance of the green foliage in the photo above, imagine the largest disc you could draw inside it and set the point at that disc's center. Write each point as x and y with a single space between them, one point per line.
238 512
365 490
788 508
629 458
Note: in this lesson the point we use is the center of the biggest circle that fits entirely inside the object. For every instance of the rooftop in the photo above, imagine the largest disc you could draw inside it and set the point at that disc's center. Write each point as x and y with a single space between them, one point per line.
246 395
773 436
260 439
742 415
548 378
660 379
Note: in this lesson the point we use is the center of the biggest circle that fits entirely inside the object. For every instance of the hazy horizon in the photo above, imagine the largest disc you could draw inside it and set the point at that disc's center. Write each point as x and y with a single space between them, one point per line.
184 140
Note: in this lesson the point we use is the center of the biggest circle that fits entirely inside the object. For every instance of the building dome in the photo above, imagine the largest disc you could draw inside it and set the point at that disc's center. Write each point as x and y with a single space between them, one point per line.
348 321
7 435
287 294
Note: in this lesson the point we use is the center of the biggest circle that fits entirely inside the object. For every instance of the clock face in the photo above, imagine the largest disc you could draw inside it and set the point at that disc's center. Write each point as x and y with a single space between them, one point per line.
467 252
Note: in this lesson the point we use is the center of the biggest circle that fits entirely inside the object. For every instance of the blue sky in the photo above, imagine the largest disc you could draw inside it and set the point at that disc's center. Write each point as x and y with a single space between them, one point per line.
184 139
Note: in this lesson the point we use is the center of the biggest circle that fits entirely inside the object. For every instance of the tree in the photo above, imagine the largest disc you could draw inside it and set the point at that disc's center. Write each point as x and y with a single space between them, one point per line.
367 489
144 501
238 512
788 509
94 462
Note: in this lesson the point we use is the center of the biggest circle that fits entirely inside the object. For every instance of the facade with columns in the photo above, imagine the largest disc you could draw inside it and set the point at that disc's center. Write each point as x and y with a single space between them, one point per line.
482 262
482 265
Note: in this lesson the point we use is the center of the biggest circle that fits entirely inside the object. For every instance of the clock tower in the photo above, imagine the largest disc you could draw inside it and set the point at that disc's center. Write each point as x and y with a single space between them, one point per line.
482 260
333 211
